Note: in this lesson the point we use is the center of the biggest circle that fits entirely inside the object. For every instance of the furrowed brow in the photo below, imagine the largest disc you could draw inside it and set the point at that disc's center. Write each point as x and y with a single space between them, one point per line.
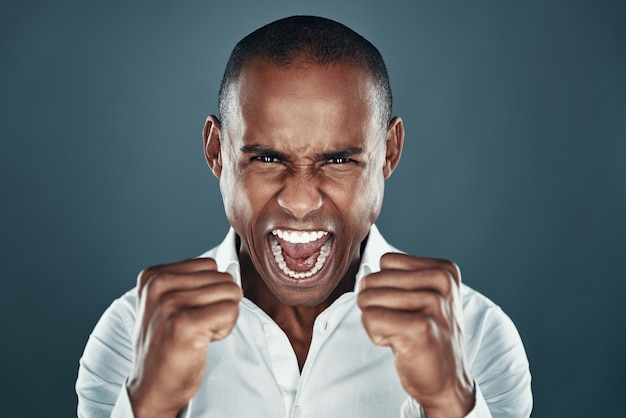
341 153
263 151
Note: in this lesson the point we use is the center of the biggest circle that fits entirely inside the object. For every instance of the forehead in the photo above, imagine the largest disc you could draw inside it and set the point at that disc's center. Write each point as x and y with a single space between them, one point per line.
305 103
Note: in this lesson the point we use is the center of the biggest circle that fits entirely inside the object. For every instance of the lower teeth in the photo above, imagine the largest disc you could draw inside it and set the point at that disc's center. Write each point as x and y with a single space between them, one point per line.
319 263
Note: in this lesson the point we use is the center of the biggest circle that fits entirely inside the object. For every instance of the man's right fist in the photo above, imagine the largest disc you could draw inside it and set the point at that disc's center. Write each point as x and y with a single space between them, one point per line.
181 308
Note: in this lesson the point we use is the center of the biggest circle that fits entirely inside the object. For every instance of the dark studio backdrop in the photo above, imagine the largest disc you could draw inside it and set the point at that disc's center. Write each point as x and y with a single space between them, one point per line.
514 167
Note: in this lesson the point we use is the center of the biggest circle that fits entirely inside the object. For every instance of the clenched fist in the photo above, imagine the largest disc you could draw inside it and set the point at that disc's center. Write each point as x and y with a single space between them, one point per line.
413 305
181 308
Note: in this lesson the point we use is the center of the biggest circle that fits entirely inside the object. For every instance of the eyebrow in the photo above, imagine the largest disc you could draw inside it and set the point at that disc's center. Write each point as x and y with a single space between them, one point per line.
341 153
261 150
265 151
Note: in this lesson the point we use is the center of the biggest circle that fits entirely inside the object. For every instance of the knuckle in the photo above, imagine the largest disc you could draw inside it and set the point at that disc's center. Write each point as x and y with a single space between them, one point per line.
386 257
366 318
363 282
456 272
212 264
226 314
154 277
448 282
143 277
363 299
452 268
234 291
444 280
371 317
168 305
226 291
186 325
201 263
225 310
155 285
391 258
437 305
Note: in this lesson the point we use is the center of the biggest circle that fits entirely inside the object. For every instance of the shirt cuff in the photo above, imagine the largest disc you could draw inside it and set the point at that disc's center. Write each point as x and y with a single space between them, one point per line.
412 409
124 409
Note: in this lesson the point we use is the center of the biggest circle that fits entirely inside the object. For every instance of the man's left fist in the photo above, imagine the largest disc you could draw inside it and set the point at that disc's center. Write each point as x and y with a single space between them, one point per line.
413 305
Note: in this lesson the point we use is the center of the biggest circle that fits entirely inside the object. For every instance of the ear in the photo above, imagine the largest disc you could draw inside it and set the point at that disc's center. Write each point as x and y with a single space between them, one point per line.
212 137
395 141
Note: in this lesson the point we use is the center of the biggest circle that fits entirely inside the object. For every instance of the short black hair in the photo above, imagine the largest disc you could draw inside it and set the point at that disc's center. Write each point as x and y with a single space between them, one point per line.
311 39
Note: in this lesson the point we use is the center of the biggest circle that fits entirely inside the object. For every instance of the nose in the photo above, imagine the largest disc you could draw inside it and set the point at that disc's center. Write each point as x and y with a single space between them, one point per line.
300 195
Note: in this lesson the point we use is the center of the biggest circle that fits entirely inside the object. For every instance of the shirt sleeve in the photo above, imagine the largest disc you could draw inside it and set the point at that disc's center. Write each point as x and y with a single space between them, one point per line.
106 364
497 362
412 409
499 366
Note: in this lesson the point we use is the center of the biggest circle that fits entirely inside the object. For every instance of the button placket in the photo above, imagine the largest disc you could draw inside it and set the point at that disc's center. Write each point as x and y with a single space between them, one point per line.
283 361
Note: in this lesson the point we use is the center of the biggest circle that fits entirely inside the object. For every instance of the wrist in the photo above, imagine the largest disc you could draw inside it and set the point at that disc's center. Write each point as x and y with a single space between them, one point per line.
146 406
457 403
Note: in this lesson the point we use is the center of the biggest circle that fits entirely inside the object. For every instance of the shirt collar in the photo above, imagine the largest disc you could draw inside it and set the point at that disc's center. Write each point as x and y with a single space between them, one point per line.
375 247
227 258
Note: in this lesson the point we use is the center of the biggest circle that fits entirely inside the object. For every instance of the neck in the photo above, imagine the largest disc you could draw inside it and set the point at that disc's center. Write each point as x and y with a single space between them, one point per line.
295 320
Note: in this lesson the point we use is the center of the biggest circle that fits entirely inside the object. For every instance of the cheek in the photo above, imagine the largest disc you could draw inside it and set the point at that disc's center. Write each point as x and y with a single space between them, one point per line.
369 195
360 198
244 195
237 205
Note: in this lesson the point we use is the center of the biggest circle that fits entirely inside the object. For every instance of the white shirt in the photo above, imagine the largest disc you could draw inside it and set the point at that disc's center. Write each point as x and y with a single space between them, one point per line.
254 371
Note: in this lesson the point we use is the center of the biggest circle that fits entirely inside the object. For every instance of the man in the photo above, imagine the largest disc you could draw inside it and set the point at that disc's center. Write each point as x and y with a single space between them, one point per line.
304 310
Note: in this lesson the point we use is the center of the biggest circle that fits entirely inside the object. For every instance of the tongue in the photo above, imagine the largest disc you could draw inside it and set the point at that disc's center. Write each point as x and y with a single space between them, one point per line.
301 264
301 251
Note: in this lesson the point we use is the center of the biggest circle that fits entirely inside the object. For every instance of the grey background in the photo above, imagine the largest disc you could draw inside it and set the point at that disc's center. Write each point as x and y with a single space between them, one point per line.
514 167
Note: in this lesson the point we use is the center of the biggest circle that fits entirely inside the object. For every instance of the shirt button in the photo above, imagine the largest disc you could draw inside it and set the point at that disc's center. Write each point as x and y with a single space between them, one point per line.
268 328
297 411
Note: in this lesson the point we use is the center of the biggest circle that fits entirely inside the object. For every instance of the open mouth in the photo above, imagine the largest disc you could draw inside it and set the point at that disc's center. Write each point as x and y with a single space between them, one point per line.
300 254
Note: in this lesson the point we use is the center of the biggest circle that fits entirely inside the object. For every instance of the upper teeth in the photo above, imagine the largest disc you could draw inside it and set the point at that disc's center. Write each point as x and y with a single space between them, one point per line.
299 237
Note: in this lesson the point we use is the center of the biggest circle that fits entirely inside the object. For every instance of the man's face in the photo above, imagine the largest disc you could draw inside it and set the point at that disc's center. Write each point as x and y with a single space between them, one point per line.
302 170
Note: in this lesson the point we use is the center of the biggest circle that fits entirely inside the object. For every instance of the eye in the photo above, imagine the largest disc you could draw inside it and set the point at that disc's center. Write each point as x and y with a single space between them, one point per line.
266 159
338 160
